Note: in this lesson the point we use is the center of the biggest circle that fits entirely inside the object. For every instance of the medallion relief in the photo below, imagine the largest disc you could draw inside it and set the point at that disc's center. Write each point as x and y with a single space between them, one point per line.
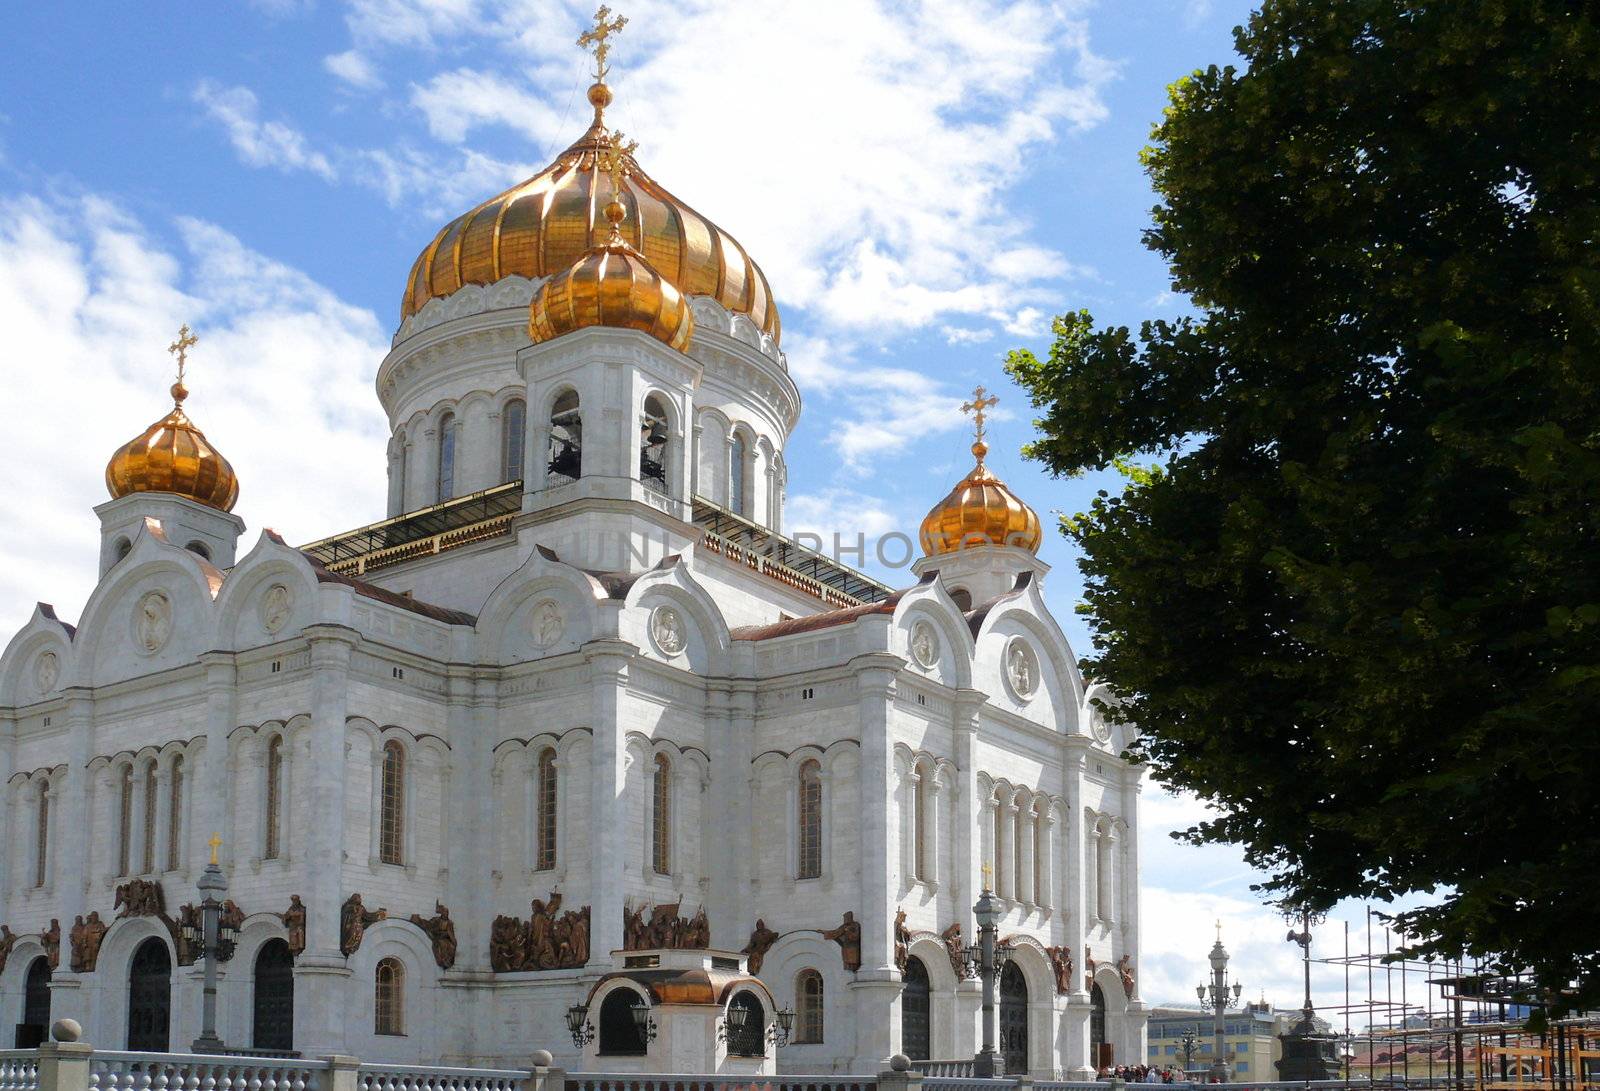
46 672
152 622
547 624
1022 669
666 629
924 644
276 605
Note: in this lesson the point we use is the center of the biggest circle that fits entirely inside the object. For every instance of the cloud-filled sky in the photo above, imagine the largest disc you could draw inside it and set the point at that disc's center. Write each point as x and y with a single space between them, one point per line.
925 185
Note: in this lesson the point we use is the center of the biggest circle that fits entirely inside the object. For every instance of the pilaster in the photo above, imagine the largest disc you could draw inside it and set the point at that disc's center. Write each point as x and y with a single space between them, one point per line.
8 816
608 661
877 983
69 822
211 790
1074 908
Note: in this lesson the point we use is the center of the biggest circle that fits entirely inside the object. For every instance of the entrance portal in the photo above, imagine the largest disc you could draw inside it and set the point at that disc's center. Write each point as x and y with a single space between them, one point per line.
1014 1020
914 1011
150 998
273 1021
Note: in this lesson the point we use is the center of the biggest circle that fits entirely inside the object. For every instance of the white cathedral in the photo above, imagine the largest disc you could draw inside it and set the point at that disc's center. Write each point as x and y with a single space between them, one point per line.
578 697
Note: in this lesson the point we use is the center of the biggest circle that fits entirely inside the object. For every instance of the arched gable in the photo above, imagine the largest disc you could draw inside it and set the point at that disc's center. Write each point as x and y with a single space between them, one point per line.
1058 694
270 595
706 647
929 602
26 675
545 607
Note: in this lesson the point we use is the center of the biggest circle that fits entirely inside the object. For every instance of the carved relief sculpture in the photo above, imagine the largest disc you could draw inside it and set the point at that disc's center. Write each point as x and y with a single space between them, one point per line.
294 923
8 940
667 629
441 932
87 935
231 918
46 670
547 623
1061 963
50 940
540 946
664 928
1125 971
507 944
275 605
140 898
956 950
902 940
1088 970
353 921
848 937
152 622
761 941
188 917
545 942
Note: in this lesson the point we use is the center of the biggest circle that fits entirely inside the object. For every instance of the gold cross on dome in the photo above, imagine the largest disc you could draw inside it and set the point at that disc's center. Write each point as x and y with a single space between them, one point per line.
976 407
1219 930
611 156
180 348
987 869
604 27
215 843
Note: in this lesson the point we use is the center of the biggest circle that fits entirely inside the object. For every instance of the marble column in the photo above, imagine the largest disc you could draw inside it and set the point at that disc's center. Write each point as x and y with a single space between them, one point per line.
1024 828
8 817
1005 865
608 680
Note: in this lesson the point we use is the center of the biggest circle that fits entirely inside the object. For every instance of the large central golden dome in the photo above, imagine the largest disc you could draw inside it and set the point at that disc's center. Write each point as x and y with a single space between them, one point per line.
540 227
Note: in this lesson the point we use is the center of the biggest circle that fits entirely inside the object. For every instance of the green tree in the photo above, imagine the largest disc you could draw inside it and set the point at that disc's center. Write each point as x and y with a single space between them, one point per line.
1358 607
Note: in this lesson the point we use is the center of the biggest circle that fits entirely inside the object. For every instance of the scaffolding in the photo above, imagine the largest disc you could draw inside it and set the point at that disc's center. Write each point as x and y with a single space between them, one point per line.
1450 1024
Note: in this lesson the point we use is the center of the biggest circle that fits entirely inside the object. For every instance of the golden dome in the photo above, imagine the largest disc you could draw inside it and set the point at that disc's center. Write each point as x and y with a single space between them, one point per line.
612 285
540 227
980 510
172 455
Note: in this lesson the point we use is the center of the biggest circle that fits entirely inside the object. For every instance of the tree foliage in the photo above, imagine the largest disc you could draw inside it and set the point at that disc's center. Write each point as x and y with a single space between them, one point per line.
1359 608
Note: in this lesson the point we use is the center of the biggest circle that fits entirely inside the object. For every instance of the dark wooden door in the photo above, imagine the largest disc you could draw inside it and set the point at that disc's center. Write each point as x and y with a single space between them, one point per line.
915 1005
1014 1020
1100 1053
273 1016
35 1005
150 998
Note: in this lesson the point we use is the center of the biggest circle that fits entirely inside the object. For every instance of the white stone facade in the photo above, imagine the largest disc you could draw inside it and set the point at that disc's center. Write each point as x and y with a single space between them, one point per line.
603 628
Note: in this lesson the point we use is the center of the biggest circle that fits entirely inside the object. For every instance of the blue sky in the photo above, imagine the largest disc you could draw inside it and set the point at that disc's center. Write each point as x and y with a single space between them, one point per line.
924 184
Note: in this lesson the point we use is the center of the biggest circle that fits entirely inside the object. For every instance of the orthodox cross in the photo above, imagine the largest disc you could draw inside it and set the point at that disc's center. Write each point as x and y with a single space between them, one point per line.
215 843
1219 931
604 27
976 407
988 871
610 159
180 348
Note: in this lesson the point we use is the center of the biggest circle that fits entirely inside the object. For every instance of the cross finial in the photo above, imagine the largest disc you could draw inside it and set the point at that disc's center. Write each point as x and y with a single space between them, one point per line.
614 149
976 407
987 869
1219 930
604 27
215 843
180 348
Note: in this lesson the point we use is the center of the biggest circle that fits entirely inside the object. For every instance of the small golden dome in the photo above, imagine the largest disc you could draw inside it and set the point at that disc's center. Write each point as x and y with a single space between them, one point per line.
980 510
172 455
612 285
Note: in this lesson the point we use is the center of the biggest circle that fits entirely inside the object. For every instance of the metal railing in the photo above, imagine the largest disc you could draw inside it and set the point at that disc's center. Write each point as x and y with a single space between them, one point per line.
117 1071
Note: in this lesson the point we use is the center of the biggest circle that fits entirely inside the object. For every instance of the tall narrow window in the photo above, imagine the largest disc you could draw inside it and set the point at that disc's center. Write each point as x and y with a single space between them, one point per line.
151 784
389 998
738 458
271 850
661 817
1020 865
653 445
808 1008
41 846
175 814
810 820
919 804
447 457
391 830
513 424
546 856
566 439
125 823
1000 862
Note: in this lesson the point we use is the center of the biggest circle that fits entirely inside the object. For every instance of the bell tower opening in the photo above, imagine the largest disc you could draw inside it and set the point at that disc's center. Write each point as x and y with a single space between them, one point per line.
566 439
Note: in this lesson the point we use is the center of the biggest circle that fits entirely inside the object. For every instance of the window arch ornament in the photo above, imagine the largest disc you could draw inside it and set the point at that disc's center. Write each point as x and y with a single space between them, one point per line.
738 475
809 1002
809 820
391 822
446 476
654 444
661 816
513 431
566 439
389 997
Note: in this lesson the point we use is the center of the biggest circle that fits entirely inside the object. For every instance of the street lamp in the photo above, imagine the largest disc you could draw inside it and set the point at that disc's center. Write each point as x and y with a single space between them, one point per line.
642 1022
578 1025
216 944
1305 1052
1190 1040
782 1025
988 1064
1215 997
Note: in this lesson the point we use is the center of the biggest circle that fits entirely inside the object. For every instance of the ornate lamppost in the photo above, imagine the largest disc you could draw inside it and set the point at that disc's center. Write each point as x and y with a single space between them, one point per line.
989 1063
1215 997
216 944
578 1025
1305 1052
1189 1040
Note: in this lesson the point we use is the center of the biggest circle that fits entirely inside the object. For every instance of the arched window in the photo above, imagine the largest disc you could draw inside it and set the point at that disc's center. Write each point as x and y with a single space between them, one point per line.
513 424
1102 873
546 856
41 846
389 997
391 828
151 784
1099 1051
1021 866
962 597
125 823
447 457
653 445
566 439
738 462
919 832
808 1008
1001 864
272 848
749 1040
199 549
661 817
398 474
124 547
620 1032
175 814
916 1006
810 820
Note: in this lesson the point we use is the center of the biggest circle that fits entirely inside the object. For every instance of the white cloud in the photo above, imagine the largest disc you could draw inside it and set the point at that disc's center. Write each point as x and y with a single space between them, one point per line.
455 102
281 382
353 68
259 143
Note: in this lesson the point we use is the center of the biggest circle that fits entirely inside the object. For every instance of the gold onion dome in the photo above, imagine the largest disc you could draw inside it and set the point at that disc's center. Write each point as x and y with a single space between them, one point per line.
174 456
542 226
980 510
612 285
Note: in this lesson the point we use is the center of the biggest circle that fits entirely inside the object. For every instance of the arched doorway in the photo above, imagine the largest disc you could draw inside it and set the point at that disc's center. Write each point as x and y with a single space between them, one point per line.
621 1035
1014 1020
35 1005
1099 1049
273 1017
915 1005
150 997
749 1039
